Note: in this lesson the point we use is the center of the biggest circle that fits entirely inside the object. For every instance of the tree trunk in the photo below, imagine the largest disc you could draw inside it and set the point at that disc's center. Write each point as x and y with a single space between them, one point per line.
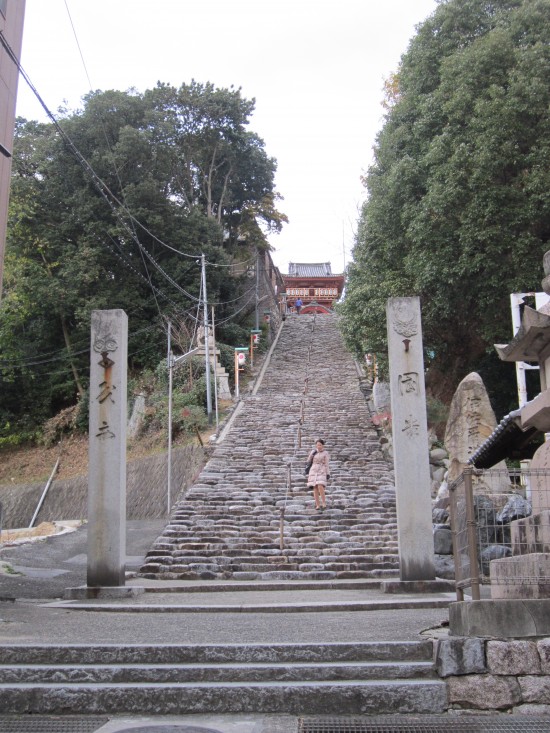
74 370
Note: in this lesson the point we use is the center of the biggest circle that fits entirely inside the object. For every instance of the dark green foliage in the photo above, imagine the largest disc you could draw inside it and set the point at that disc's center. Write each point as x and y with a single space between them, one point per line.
458 209
175 167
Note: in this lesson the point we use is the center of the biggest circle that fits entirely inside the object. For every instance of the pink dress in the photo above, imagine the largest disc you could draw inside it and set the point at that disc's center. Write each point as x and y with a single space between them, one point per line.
319 469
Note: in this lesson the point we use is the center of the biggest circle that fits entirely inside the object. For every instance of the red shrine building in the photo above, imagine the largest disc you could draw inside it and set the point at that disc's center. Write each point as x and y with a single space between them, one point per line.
315 284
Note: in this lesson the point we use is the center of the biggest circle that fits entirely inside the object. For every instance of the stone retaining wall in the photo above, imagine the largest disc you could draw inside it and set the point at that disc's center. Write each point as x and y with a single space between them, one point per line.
67 500
511 675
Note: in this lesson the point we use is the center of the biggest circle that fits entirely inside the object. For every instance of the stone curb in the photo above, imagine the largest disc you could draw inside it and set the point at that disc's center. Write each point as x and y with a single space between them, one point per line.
311 607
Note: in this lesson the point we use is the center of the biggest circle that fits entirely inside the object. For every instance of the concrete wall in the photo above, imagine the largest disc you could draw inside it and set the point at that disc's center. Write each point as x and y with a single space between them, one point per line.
146 491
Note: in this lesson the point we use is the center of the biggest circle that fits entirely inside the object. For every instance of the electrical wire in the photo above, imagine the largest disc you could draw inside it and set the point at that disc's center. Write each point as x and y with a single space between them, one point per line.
234 315
228 302
121 189
232 264
101 186
111 200
37 360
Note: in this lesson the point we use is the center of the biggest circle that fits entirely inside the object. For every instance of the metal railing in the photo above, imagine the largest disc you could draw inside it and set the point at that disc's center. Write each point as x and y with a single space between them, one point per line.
498 514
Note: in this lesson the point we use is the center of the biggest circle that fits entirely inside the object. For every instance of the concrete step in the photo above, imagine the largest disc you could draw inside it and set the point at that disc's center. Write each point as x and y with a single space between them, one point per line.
295 697
294 679
214 672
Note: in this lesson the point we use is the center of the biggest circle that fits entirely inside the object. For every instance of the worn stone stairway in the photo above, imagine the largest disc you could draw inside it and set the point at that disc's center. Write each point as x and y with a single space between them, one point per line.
228 525
303 679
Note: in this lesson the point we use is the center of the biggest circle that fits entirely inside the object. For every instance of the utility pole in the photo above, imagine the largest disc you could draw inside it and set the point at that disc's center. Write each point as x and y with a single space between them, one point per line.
256 311
206 342
170 366
215 361
172 363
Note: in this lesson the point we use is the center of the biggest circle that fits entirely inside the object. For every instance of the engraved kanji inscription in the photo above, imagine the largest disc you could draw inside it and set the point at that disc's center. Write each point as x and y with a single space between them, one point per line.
104 432
411 427
106 392
408 383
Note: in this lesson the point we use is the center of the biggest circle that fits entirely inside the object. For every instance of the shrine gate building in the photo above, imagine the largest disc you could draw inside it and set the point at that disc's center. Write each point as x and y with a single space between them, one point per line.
315 284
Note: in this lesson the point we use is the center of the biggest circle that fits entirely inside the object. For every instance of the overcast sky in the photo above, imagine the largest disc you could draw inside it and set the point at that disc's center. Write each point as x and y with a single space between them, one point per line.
315 67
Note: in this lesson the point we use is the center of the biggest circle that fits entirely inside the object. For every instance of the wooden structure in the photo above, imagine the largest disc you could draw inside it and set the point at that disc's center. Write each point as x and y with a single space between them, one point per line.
315 284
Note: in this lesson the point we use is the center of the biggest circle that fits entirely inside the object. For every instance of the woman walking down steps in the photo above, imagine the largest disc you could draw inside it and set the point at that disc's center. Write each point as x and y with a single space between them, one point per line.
227 525
319 474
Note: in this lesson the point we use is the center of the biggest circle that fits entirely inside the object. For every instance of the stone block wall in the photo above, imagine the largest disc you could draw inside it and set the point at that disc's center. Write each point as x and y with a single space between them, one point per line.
510 675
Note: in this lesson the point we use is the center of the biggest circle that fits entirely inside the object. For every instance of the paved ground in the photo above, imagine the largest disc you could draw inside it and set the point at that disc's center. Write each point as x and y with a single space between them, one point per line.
32 611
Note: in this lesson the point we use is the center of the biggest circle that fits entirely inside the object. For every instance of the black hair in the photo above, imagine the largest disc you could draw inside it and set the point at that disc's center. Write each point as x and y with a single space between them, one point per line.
320 440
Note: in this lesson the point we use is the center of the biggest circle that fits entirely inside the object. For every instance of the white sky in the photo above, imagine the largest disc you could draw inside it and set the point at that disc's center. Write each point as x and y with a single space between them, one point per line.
315 67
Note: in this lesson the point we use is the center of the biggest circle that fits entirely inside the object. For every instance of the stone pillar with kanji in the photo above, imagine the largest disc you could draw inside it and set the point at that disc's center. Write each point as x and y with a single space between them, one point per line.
107 449
410 440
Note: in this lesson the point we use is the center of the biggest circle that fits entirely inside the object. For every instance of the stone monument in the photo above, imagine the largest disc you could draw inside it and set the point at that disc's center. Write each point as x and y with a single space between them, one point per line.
471 421
107 449
410 440
222 377
106 571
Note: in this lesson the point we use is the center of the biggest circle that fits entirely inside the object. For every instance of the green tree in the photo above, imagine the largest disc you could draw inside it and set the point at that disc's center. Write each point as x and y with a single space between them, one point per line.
458 209
112 210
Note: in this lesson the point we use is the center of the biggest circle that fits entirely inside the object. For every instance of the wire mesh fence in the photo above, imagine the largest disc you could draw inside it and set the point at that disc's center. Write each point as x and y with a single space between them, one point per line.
501 532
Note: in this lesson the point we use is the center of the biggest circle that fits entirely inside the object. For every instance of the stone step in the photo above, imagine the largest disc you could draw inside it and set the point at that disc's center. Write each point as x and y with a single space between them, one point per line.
296 697
282 678
233 512
213 672
101 654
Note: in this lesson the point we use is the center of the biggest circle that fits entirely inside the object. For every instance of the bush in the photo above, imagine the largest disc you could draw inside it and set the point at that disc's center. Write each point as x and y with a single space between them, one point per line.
64 422
187 416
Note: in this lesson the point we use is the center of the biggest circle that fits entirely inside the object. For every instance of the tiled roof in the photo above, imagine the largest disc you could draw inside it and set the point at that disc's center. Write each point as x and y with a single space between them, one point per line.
309 269
507 440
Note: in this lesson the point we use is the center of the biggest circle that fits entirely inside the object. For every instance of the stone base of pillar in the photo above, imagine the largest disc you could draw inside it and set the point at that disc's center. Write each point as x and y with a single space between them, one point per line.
86 592
222 376
524 576
439 585
514 619
224 393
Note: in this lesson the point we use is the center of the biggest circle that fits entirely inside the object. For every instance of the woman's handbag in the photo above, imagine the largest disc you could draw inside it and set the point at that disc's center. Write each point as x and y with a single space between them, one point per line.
309 464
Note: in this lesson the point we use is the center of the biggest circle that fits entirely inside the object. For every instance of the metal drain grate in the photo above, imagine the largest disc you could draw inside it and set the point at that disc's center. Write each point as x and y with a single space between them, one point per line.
50 724
427 724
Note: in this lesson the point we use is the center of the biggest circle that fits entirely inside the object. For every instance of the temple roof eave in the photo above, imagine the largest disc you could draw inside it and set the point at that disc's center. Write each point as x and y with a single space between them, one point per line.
508 440
531 339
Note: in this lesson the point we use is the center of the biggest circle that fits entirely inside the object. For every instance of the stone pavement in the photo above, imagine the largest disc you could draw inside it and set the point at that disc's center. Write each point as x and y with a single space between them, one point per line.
32 608
32 611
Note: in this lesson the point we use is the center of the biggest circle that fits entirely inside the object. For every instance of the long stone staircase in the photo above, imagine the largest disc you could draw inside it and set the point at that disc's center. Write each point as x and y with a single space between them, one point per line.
244 522
250 516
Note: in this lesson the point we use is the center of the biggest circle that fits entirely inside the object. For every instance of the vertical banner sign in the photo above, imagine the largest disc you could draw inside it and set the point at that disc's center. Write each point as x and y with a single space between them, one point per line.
410 439
107 449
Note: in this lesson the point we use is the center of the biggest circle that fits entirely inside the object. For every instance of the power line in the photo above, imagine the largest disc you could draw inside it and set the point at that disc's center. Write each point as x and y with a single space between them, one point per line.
101 186
115 167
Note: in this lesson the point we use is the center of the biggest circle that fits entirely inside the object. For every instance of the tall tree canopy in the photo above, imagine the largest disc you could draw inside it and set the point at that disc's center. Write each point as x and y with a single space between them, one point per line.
112 209
458 207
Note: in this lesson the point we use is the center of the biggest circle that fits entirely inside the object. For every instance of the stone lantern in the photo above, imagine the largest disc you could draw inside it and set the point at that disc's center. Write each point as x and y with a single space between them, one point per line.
531 536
